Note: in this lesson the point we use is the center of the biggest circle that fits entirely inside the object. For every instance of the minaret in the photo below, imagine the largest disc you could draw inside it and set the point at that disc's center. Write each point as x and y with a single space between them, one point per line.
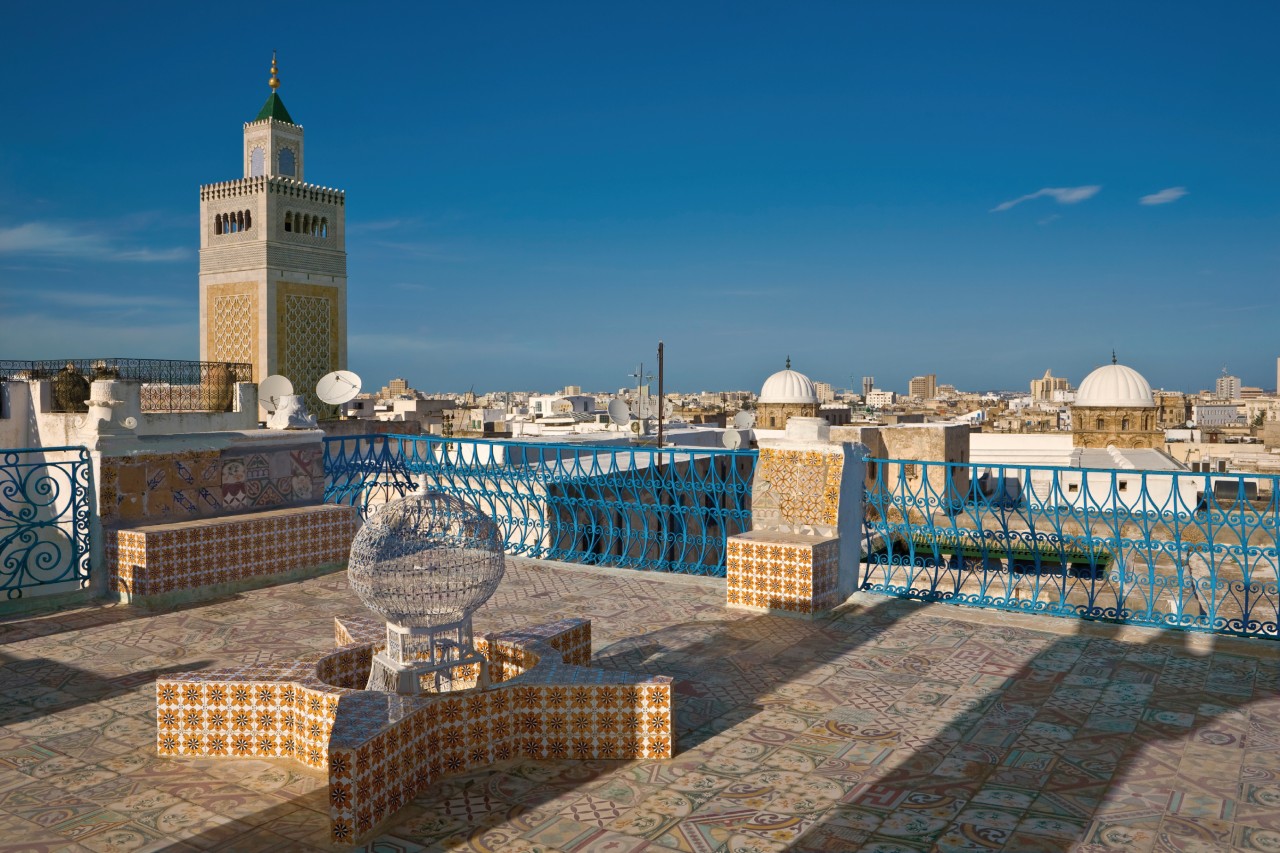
273 260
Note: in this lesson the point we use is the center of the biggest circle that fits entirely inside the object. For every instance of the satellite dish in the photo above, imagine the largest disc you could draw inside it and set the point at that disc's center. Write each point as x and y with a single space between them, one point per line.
744 420
618 412
338 387
271 389
731 439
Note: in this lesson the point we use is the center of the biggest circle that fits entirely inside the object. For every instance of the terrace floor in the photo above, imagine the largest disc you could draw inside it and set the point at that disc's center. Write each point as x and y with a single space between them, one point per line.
891 726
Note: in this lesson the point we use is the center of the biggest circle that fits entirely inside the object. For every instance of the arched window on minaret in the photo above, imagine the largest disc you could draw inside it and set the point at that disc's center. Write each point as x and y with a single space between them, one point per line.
306 224
1124 424
239 221
288 162
257 163
248 219
217 225
324 227
288 221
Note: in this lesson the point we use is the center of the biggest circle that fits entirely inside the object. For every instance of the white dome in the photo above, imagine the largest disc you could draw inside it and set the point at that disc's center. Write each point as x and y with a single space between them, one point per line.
789 386
1115 385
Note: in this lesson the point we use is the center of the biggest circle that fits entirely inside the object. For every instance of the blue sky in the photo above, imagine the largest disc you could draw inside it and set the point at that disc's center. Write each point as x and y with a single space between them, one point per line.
538 193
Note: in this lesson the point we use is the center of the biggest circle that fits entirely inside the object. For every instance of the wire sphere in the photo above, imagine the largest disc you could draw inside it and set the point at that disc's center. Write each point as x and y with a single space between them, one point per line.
425 560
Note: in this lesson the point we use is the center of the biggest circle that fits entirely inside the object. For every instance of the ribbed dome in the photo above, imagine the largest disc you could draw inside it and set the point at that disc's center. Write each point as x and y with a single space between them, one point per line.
1115 385
788 386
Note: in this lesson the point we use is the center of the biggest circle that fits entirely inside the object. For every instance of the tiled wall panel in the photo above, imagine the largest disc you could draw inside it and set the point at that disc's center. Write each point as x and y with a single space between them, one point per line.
161 487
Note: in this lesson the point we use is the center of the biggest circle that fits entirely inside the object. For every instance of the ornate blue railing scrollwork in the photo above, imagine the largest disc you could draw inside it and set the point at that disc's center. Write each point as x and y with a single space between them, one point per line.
667 509
44 519
1163 548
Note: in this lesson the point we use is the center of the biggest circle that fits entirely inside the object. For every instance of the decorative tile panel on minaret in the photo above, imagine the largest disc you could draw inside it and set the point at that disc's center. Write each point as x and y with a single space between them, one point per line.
273 260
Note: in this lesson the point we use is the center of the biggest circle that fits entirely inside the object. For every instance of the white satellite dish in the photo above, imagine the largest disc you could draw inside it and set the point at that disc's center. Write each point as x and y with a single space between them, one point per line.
732 439
338 387
618 412
744 420
271 389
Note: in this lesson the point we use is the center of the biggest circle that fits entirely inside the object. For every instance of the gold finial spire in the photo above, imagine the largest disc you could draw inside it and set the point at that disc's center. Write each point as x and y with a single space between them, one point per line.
274 82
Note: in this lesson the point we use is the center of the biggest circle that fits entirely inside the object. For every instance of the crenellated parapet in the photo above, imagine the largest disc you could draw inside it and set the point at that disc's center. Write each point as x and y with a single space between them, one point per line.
278 186
260 122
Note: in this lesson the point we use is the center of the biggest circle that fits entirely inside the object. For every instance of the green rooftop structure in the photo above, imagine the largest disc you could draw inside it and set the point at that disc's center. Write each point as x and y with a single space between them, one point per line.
274 108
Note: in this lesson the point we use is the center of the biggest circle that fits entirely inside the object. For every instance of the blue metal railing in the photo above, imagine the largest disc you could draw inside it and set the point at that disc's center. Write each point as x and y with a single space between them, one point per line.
44 519
1169 549
635 507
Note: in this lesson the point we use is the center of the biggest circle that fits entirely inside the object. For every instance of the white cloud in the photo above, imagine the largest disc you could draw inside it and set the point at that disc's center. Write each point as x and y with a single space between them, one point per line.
77 241
1165 196
1062 195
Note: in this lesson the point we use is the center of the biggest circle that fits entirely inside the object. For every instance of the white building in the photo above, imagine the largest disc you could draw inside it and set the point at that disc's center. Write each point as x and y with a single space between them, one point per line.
881 399
561 404
1206 415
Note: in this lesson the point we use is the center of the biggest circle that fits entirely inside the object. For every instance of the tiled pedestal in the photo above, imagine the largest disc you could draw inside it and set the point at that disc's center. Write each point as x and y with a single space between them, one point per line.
787 572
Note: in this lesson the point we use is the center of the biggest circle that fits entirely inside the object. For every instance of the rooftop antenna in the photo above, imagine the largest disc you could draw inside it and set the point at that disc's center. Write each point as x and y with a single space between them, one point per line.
642 380
662 400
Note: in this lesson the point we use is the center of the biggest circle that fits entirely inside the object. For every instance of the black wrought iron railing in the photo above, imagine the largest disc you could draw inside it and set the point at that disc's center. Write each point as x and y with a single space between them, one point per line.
167 385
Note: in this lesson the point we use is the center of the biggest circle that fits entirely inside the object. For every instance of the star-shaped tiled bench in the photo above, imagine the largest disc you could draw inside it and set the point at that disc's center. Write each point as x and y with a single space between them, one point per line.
380 750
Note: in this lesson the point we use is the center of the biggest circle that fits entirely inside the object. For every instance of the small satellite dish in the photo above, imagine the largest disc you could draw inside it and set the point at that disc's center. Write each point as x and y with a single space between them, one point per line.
744 420
271 389
619 413
731 439
338 387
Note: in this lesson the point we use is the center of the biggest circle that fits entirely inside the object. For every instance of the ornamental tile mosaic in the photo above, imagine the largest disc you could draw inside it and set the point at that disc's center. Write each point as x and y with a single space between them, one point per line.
182 556
883 726
157 487
803 485
381 749
791 572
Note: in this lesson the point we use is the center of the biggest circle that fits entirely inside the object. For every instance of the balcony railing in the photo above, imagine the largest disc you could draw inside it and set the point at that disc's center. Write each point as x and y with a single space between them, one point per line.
1168 549
636 507
167 385
44 520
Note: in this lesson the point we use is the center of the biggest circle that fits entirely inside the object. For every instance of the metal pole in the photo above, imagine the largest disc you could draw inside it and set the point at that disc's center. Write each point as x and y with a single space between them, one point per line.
661 396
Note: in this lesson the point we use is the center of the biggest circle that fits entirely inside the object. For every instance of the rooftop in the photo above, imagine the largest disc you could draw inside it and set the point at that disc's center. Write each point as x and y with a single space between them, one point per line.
889 721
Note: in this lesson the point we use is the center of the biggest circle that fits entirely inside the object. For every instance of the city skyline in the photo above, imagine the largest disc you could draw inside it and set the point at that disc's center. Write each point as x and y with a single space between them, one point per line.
537 198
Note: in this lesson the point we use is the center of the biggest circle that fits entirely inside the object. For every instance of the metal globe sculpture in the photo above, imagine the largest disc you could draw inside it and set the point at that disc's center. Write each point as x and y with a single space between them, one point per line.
425 563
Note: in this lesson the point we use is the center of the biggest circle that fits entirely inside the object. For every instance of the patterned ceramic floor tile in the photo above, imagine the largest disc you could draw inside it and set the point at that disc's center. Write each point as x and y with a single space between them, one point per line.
891 726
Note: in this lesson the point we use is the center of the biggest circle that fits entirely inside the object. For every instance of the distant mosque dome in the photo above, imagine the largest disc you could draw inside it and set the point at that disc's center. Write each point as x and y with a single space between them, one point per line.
1114 385
789 386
